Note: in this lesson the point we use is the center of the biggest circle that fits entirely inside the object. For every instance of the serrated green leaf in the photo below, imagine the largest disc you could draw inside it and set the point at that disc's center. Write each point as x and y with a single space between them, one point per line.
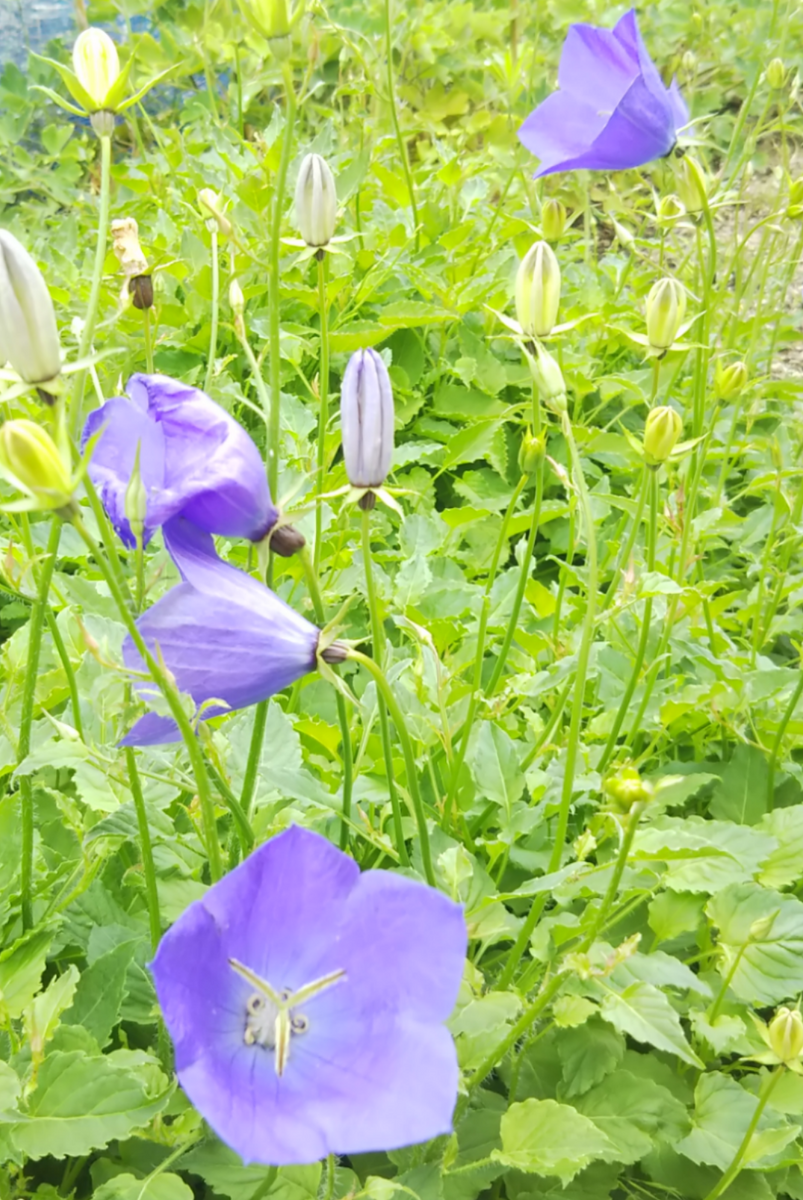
770 967
547 1138
99 995
162 1186
646 1014
741 794
722 1112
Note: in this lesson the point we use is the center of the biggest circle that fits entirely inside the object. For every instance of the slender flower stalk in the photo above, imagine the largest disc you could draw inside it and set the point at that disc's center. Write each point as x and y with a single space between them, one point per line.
378 639
608 899
408 178
146 848
627 548
161 679
215 262
779 736
67 667
90 320
35 626
323 418
735 1167
409 758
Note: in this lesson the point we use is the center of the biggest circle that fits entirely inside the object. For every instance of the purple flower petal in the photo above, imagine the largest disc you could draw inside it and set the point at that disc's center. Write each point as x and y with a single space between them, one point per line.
611 111
195 460
221 633
375 1068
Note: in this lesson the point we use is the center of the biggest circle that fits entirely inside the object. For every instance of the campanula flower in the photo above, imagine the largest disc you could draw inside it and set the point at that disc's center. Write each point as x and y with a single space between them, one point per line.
611 110
221 634
196 461
366 419
307 1004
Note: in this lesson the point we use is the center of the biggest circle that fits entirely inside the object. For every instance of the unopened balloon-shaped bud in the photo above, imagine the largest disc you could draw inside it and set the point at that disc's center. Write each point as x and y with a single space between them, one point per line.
661 432
538 291
786 1034
688 62
29 339
553 219
666 308
776 74
136 499
270 18
731 380
670 210
627 788
548 378
366 419
531 452
316 201
692 183
96 64
30 460
237 302
211 203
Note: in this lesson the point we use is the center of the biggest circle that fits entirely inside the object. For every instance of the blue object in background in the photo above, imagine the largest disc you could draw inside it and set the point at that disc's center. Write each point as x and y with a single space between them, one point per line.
31 24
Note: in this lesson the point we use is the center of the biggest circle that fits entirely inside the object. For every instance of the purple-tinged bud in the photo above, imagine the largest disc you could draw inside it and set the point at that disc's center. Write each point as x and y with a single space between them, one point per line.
316 201
366 419
29 339
538 291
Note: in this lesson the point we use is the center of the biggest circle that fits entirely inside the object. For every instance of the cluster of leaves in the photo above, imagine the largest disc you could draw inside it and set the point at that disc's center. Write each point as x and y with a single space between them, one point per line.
636 1079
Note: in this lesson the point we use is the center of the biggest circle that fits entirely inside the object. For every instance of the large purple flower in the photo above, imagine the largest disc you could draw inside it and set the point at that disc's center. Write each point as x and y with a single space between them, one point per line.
195 461
306 1003
611 111
223 635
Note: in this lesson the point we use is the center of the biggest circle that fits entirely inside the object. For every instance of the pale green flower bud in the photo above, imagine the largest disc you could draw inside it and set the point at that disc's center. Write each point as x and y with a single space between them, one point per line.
136 499
776 74
786 1034
666 308
670 210
96 64
271 19
548 378
236 298
29 339
553 219
211 202
627 788
730 381
316 201
661 432
795 209
762 927
692 183
29 459
538 291
531 452
688 62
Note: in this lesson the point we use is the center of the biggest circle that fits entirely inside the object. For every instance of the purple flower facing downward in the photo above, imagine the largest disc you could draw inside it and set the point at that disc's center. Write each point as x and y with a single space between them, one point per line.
306 1003
611 110
222 635
195 461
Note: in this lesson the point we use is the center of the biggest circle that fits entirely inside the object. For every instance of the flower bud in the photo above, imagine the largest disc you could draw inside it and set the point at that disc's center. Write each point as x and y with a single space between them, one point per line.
795 208
30 461
548 378
627 788
236 298
531 452
553 219
29 339
661 432
692 183
670 210
211 202
269 17
366 419
316 201
761 928
666 308
136 499
776 74
688 62
786 1034
538 291
96 64
730 381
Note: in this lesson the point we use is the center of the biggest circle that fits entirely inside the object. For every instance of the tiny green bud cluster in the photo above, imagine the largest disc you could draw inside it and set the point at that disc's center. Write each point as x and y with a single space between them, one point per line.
627 788
666 308
538 291
661 432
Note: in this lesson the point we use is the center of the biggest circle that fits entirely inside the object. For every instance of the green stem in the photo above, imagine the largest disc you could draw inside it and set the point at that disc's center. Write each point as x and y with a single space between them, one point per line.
146 849
146 326
378 639
245 833
651 485
736 1165
254 755
409 758
587 637
616 878
323 418
342 712
35 625
169 692
627 549
331 1164
90 320
776 745
408 178
274 309
210 361
719 1000
64 659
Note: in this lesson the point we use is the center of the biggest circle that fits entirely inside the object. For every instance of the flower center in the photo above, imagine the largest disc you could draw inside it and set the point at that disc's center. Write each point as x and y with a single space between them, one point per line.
272 1017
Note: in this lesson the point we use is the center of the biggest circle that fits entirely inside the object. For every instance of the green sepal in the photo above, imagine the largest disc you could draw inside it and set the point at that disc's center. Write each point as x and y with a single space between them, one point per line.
57 99
112 99
72 83
143 91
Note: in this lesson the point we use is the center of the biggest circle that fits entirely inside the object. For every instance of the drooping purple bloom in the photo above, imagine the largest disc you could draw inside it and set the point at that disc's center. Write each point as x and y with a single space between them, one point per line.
223 635
611 110
366 419
306 1003
195 461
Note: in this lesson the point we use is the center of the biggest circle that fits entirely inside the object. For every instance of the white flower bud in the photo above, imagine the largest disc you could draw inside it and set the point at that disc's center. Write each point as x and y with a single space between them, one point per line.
538 290
29 339
366 419
316 201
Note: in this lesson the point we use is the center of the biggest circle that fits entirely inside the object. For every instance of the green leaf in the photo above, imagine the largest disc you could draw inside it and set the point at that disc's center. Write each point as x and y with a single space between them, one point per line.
588 1054
494 759
646 1014
547 1138
633 1112
770 967
21 967
226 1174
722 1112
44 1012
785 864
80 1104
164 1186
741 795
99 995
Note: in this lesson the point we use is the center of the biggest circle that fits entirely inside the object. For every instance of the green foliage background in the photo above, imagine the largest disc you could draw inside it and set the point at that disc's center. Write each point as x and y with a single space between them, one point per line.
636 1080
